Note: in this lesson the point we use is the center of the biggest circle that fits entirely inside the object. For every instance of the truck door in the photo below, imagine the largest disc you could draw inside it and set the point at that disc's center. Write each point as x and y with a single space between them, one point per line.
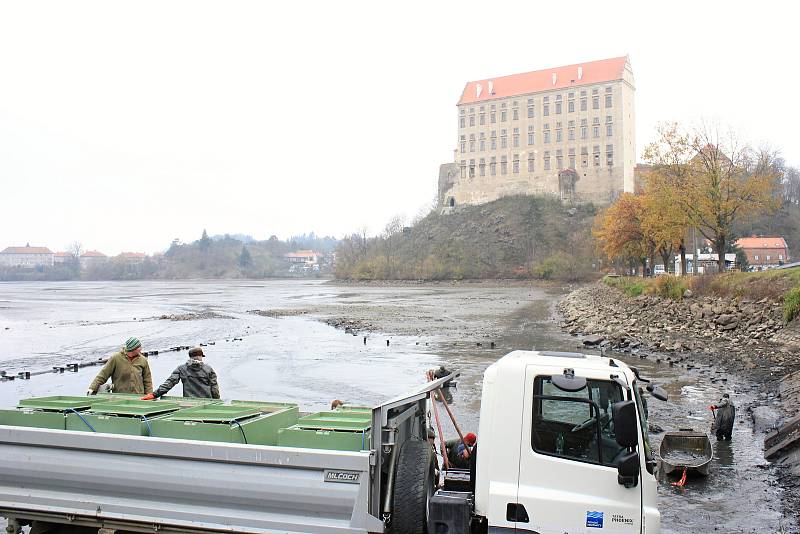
567 472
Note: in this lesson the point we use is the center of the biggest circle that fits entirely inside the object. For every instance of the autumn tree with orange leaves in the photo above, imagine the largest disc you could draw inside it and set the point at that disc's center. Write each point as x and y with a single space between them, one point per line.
621 232
711 180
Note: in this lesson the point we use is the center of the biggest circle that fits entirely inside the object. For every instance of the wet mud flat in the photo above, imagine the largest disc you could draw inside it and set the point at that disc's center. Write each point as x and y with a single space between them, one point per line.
310 342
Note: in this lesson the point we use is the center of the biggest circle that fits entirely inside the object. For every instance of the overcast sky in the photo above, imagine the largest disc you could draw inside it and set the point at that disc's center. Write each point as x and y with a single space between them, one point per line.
124 125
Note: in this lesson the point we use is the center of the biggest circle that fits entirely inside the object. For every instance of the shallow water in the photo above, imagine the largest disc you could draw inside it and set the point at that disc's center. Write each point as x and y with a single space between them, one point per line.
299 359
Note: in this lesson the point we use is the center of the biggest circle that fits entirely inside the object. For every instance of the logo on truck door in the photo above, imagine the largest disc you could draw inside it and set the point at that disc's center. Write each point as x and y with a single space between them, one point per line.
594 519
346 477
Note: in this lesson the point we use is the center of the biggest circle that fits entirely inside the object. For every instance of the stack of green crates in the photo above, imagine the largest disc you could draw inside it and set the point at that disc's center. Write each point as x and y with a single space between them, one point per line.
340 429
127 416
254 423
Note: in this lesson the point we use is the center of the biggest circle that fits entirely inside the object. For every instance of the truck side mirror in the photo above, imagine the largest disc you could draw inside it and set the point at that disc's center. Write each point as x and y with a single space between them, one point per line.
625 429
628 470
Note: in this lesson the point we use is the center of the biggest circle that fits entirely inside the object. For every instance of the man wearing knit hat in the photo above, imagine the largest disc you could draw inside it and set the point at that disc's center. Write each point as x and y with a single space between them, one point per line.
198 379
128 370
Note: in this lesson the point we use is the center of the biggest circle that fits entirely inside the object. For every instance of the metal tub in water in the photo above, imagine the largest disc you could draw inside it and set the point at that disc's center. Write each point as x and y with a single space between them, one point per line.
685 449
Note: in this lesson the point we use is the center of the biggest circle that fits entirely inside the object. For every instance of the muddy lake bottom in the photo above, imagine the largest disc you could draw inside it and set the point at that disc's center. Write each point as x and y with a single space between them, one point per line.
287 353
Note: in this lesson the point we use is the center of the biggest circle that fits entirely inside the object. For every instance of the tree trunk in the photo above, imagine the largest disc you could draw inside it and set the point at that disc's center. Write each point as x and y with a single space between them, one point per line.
665 254
644 267
719 244
682 248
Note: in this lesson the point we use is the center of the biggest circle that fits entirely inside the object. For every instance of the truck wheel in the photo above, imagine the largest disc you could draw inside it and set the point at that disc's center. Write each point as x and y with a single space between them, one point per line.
413 488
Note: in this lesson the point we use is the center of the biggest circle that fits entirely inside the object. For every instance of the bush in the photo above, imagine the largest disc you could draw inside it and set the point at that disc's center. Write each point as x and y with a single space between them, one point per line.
633 287
668 287
791 304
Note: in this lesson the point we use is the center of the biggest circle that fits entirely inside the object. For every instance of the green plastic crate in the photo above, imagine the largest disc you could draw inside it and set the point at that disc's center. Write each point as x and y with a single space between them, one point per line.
188 402
324 439
33 418
231 423
344 430
120 416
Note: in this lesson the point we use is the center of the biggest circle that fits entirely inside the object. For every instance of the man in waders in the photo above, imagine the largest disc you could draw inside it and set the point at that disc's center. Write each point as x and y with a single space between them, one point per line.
724 414
198 379
128 370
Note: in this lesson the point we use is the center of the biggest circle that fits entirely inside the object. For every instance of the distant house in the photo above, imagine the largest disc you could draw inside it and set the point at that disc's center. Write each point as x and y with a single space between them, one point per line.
302 256
27 256
92 257
132 257
764 251
62 257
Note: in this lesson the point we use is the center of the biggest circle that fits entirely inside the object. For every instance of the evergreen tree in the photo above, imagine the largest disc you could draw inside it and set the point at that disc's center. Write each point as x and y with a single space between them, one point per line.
245 260
205 241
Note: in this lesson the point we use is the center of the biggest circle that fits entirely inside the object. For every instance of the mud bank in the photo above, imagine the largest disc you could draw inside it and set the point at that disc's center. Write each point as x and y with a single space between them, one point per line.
724 341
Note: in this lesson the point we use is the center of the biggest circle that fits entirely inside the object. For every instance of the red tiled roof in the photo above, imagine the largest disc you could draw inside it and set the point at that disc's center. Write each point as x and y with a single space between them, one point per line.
63 254
132 255
604 70
300 254
27 250
761 242
93 254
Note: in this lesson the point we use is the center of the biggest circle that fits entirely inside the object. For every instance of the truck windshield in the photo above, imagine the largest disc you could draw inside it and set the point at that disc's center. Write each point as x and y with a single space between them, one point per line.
576 425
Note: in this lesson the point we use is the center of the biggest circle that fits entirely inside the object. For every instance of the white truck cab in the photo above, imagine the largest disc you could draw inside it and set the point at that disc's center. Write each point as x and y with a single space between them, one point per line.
562 449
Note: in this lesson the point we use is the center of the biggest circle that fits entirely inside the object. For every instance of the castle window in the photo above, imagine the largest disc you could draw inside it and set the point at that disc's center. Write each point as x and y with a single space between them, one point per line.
608 97
472 142
558 104
595 99
503 115
483 142
596 127
610 155
583 100
482 167
503 165
503 139
463 168
530 108
558 133
584 157
463 143
546 133
493 166
609 126
472 168
596 155
530 134
547 161
571 131
494 139
530 161
546 106
472 120
571 103
482 118
515 114
515 164
571 158
516 138
559 159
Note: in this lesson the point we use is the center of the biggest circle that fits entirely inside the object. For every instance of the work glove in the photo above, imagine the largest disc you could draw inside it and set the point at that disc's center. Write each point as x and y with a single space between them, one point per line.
90 392
149 396
712 407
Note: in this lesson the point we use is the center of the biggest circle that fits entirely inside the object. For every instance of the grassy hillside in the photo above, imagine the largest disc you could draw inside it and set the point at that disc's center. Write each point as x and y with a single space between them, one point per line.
519 236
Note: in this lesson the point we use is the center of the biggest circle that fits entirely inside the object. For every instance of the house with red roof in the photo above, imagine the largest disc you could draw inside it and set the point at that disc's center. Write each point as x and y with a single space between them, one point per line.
764 252
565 131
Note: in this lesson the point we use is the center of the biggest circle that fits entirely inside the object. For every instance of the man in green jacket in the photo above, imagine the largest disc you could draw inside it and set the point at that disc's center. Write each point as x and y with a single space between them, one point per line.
128 370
